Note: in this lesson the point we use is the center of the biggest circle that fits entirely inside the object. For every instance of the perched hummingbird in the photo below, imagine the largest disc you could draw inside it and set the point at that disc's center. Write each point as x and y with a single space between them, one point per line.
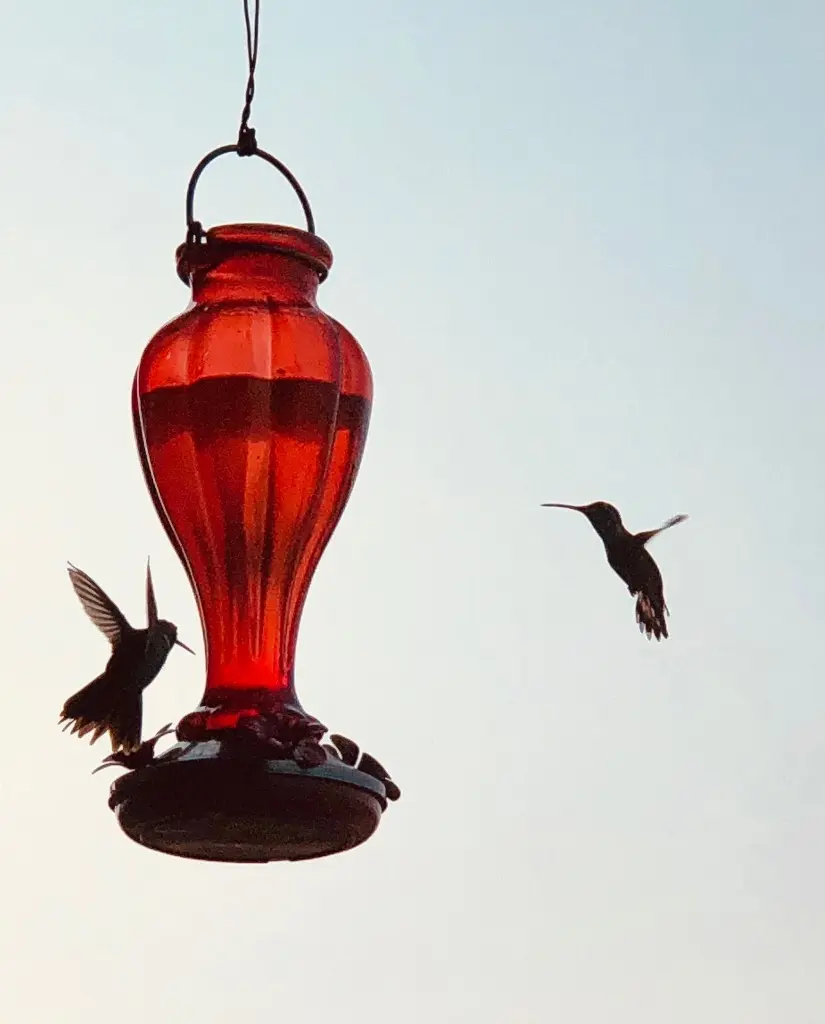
628 557
114 701
140 758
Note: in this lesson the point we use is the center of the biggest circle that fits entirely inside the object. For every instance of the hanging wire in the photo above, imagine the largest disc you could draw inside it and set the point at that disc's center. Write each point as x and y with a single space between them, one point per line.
247 144
195 250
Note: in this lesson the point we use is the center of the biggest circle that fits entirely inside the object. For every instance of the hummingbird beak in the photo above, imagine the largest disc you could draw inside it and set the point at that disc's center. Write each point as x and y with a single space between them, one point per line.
556 504
180 643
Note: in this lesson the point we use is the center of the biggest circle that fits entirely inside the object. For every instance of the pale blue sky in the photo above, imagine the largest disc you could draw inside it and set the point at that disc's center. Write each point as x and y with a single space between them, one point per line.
581 245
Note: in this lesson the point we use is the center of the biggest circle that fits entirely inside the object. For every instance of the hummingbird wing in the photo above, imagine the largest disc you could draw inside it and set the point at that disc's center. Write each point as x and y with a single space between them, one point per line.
646 535
151 603
100 608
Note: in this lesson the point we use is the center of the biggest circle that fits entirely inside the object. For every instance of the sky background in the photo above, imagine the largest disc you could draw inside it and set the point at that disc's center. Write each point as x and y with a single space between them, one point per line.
581 245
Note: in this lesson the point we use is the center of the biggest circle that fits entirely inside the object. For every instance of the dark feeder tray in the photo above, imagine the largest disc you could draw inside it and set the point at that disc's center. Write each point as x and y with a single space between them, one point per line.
201 801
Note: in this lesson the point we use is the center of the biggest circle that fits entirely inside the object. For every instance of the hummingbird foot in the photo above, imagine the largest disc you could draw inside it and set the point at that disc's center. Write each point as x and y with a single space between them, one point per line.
142 757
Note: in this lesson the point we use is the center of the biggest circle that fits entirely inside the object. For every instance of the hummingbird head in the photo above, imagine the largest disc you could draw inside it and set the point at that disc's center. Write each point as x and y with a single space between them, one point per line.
162 633
165 635
604 518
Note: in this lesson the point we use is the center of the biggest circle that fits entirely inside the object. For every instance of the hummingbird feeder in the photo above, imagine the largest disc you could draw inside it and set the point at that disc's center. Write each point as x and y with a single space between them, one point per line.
250 413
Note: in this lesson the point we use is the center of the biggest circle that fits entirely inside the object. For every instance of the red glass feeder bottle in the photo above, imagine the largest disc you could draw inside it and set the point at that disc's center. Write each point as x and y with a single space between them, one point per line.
251 411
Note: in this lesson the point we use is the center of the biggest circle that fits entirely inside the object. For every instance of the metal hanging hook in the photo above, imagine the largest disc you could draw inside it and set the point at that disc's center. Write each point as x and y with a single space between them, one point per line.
195 230
247 144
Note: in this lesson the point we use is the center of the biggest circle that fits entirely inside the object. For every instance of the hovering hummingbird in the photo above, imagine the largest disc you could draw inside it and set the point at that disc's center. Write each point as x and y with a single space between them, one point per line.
628 557
114 701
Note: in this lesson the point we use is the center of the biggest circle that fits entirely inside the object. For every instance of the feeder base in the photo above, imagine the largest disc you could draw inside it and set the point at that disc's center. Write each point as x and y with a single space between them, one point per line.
197 800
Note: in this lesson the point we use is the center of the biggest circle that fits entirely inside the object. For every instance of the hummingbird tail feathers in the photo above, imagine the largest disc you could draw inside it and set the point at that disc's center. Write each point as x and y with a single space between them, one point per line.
651 616
101 707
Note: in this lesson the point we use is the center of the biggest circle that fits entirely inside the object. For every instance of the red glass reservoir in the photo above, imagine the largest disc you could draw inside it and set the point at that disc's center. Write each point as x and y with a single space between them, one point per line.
251 412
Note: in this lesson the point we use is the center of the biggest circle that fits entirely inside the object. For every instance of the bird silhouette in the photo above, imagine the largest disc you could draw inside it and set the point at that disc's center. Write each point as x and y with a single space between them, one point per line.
629 558
140 758
113 701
